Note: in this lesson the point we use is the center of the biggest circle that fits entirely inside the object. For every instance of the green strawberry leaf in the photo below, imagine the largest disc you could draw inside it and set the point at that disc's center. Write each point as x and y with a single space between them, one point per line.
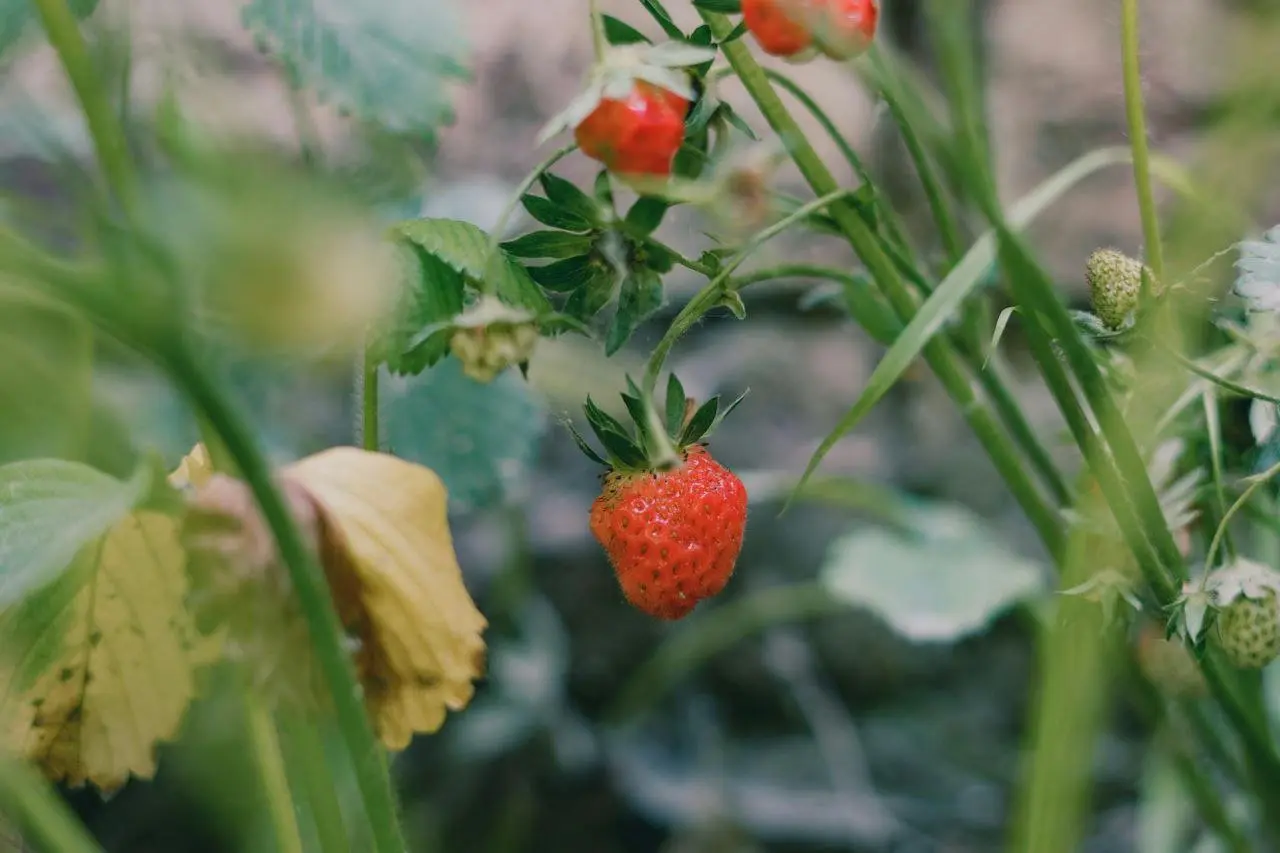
641 297
432 296
675 405
723 7
548 244
465 248
589 299
553 215
635 408
50 510
566 195
618 32
736 33
645 216
482 439
724 413
385 61
584 447
663 17
567 275
701 421
946 579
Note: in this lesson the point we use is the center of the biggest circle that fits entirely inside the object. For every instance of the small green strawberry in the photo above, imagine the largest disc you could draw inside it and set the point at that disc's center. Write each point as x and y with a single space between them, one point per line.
1244 601
1248 631
490 336
1115 285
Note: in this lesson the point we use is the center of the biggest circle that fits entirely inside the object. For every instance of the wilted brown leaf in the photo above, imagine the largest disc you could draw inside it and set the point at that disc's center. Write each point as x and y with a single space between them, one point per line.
390 561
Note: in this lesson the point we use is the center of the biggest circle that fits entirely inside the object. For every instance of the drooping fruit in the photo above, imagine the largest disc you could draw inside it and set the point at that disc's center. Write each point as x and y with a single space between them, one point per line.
778 26
636 135
673 537
669 517
630 115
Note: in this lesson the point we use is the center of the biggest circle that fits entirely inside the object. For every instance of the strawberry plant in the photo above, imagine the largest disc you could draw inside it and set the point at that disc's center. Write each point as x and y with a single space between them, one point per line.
323 591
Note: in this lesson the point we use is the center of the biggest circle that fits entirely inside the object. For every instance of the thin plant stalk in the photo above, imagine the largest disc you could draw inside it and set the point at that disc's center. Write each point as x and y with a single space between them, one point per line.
366 753
312 774
1135 114
370 434
38 813
272 772
941 356
108 135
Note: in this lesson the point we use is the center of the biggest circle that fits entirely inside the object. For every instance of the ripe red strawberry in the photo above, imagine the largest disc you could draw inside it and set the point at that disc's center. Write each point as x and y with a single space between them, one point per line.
673 530
637 135
778 25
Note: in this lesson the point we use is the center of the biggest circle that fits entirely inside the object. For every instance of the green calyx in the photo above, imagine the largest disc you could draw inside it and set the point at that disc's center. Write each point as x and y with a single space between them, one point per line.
657 442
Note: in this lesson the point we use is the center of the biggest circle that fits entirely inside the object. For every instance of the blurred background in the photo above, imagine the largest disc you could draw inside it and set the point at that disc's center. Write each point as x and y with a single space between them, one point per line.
776 718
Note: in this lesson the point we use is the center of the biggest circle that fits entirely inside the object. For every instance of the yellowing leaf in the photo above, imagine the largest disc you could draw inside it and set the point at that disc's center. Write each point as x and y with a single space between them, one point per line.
122 678
420 632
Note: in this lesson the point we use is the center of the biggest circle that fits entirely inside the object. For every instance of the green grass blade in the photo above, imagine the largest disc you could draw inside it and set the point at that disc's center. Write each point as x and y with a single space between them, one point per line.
951 293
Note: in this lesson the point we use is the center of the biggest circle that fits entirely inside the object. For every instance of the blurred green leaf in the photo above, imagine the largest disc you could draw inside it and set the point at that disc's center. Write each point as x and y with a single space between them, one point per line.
619 32
569 274
49 510
641 296
723 7
554 215
548 244
944 580
432 295
45 381
950 294
18 19
385 61
465 248
481 439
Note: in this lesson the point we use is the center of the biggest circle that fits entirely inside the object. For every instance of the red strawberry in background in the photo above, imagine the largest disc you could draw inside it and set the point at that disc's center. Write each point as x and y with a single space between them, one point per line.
847 27
841 29
631 114
636 135
670 518
778 26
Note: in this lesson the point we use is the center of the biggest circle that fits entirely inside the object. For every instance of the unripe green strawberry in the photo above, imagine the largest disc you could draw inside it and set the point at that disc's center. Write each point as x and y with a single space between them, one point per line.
1248 631
1115 285
491 336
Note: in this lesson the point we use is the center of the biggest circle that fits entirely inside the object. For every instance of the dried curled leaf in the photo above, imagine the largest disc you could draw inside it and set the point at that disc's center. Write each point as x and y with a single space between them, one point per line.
109 659
389 557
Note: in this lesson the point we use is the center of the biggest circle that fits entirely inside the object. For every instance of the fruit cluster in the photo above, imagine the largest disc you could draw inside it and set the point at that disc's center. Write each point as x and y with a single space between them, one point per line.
798 29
